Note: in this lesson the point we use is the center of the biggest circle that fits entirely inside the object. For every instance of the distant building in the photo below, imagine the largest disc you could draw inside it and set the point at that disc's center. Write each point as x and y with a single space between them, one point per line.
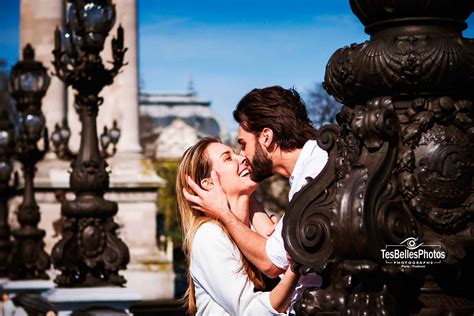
173 121
174 139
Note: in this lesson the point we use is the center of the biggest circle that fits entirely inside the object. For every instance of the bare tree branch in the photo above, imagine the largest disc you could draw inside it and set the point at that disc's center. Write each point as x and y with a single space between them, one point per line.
322 108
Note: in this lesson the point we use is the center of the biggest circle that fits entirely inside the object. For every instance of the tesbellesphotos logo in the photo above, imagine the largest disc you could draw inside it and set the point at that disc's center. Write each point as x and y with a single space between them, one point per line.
410 254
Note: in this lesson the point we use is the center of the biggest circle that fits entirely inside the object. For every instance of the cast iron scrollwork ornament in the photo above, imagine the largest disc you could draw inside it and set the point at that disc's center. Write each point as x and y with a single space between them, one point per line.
89 253
400 168
338 198
28 84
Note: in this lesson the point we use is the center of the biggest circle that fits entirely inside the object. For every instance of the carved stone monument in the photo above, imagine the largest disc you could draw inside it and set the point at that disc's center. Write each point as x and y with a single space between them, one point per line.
388 223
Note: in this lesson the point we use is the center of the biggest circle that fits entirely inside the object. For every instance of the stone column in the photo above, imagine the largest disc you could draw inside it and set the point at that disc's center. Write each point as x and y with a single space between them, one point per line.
121 98
38 19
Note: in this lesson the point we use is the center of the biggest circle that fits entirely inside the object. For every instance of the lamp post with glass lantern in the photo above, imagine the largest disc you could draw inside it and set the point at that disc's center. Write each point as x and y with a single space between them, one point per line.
89 253
7 135
28 84
61 135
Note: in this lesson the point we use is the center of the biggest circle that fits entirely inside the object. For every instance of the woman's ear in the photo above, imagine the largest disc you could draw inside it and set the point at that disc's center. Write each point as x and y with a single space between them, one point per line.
207 184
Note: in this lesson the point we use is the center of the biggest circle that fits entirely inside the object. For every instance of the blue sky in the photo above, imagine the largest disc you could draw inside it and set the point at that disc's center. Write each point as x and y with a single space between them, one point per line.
229 47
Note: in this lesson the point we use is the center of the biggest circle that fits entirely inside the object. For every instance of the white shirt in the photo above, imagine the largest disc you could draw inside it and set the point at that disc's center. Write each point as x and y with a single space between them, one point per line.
221 286
310 163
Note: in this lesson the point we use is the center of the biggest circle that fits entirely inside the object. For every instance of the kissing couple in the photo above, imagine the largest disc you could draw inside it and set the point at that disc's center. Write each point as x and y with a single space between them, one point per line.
229 239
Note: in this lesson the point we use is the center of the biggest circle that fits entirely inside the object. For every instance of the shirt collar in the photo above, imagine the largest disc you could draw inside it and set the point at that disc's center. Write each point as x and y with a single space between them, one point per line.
305 153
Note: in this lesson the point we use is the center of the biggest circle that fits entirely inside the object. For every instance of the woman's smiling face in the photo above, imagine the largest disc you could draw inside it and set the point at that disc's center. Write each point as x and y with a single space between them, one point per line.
232 169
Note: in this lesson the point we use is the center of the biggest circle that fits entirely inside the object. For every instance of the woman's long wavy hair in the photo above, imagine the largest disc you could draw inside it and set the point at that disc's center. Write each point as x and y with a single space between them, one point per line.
196 164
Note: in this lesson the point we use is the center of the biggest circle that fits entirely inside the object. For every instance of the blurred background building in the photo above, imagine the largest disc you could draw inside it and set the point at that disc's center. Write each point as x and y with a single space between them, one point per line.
171 122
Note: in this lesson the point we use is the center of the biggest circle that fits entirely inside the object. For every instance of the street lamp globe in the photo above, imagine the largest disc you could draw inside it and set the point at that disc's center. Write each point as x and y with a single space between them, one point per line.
33 125
90 22
114 133
29 80
6 147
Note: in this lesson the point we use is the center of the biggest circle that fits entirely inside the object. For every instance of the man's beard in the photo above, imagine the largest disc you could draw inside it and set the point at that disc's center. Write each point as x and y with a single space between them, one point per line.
261 165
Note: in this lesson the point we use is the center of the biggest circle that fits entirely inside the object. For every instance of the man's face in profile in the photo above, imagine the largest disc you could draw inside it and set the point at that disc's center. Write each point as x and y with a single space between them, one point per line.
260 164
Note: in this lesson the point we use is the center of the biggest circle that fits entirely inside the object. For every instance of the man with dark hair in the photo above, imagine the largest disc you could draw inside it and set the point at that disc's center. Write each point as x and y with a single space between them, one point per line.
277 113
281 110
276 136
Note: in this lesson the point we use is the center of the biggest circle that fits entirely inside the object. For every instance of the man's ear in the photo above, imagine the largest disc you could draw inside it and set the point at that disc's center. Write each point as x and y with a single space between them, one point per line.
207 184
266 137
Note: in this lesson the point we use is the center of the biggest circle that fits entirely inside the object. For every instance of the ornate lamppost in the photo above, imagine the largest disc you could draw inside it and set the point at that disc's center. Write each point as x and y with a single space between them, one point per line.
89 253
28 84
7 149
60 140
108 141
389 222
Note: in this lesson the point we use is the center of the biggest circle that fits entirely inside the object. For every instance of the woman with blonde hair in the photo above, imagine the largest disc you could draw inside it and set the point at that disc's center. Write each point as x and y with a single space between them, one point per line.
221 280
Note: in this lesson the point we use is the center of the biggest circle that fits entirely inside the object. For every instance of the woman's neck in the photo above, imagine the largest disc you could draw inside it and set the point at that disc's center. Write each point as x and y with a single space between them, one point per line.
239 205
